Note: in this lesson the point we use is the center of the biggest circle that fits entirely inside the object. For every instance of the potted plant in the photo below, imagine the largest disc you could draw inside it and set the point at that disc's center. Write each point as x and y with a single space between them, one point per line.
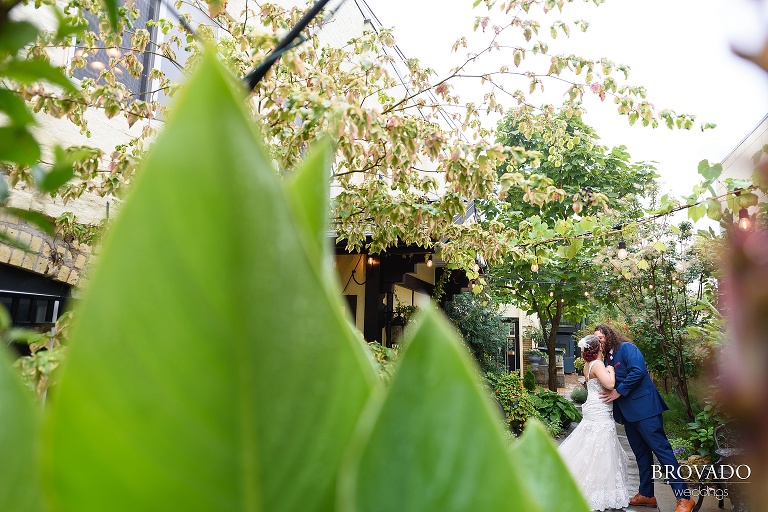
579 363
534 356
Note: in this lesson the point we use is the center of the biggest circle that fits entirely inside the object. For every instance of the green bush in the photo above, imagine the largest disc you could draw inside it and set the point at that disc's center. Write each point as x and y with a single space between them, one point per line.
702 430
554 428
578 364
481 327
675 419
554 408
517 403
529 381
681 447
579 395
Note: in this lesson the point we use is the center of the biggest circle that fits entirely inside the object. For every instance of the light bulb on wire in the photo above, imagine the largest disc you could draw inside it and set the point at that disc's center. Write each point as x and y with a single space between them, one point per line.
744 222
622 253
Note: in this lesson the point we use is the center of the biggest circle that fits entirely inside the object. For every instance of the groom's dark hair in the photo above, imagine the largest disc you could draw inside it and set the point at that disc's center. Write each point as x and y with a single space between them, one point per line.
613 338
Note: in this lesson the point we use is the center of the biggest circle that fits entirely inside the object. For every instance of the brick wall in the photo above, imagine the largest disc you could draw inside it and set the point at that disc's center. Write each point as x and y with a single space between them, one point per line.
55 258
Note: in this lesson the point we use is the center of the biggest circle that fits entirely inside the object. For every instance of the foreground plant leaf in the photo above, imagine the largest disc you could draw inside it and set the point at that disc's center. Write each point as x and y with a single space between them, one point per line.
548 478
436 438
19 438
209 369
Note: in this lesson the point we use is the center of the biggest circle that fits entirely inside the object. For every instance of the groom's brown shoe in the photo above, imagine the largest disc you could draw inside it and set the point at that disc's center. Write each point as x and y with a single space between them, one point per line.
638 500
685 505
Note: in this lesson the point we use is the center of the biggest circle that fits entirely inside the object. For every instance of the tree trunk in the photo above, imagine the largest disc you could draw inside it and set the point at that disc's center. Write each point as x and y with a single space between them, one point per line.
554 323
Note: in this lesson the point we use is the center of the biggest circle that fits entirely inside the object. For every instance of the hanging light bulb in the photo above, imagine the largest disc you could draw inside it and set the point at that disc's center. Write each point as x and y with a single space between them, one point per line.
650 286
429 261
535 266
551 293
744 222
622 250
371 261
514 292
586 294
562 300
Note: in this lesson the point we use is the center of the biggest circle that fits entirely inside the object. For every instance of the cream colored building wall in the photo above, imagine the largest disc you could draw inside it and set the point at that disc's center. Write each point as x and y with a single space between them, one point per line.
353 284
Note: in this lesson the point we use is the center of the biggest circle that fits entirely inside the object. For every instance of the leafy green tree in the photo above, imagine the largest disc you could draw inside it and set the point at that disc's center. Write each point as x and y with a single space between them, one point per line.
553 280
403 172
660 291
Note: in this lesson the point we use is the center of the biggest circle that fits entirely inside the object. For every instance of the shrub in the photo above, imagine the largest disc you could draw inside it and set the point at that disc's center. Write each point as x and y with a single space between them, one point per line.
675 419
529 381
517 403
554 428
681 447
553 407
481 327
579 395
702 430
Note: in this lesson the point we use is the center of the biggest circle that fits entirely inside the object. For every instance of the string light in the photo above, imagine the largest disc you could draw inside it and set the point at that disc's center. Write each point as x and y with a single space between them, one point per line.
744 222
429 261
586 294
371 261
622 253
535 266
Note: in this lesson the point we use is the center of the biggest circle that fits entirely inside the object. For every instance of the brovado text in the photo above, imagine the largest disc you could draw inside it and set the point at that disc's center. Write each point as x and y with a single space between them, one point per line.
713 472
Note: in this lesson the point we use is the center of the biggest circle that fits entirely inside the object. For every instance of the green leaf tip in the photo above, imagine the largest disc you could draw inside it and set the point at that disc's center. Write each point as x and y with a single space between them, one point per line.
435 436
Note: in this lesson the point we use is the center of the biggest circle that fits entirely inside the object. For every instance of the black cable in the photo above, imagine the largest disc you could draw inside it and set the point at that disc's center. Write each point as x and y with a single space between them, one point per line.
289 41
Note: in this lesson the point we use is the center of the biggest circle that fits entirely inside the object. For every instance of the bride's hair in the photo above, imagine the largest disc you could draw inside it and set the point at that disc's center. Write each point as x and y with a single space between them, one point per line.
590 347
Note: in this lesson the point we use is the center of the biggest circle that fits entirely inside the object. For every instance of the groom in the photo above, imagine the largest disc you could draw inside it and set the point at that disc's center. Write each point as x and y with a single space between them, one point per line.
638 406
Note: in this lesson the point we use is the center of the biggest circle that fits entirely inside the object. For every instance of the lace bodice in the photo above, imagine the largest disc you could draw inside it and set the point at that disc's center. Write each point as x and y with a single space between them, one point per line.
594 409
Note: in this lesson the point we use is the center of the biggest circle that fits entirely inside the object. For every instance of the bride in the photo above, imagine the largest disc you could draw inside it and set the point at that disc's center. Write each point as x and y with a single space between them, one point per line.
593 452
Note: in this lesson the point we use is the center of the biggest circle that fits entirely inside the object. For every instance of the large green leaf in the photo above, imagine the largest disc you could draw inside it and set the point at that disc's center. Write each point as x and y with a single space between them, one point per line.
209 369
111 8
18 145
15 35
19 442
436 439
308 195
14 107
548 478
33 70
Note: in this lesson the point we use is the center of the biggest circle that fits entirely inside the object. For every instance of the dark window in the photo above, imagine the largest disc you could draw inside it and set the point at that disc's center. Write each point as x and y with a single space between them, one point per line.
97 61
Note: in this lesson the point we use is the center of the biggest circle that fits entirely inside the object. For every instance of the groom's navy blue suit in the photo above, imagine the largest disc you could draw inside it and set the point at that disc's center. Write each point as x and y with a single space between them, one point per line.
639 409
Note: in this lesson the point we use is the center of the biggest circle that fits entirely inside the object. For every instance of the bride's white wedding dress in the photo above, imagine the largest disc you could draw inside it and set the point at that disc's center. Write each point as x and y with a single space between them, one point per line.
594 454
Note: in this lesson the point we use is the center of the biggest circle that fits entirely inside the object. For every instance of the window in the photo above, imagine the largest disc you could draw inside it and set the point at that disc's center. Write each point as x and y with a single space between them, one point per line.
98 60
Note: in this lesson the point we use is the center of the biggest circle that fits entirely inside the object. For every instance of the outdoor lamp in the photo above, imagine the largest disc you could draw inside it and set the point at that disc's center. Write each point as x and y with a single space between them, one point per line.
622 250
744 222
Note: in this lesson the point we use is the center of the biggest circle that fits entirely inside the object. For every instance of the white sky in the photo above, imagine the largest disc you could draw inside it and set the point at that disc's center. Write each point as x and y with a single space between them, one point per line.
678 49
